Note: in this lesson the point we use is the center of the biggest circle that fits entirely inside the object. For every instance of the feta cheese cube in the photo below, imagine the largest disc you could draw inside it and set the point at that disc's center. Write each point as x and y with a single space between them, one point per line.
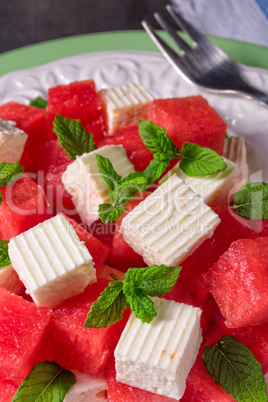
52 262
84 183
216 189
169 224
157 357
235 150
12 141
87 388
125 105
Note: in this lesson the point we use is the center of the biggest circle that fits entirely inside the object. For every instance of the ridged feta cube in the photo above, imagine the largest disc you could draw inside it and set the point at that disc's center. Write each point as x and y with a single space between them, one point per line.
52 262
84 183
125 105
235 150
169 224
157 357
216 189
12 141
87 388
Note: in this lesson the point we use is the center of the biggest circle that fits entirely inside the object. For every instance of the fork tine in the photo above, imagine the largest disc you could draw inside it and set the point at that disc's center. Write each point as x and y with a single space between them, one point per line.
167 27
172 56
194 34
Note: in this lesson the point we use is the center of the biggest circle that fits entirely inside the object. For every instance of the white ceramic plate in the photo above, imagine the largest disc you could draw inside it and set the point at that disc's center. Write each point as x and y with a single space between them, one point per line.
113 68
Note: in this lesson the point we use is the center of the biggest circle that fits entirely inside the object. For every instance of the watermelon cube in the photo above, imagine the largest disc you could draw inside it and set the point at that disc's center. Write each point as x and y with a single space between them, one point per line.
23 327
119 392
77 100
122 255
211 249
98 250
7 391
189 119
239 281
33 121
136 151
24 205
85 349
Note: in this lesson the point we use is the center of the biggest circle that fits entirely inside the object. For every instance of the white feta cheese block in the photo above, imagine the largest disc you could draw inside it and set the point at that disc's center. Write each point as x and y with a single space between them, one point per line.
125 103
12 141
235 150
169 224
84 183
157 357
87 388
216 189
52 262
10 281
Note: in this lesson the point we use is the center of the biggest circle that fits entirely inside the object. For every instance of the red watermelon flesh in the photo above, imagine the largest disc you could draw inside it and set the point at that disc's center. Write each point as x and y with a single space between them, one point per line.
7 391
119 392
231 228
22 330
98 250
103 232
189 119
33 121
85 349
52 163
239 281
136 151
24 205
122 256
77 100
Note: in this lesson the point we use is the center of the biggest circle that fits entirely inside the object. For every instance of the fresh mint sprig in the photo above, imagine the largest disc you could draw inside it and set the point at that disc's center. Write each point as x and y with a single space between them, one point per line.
135 291
194 159
72 136
39 102
251 201
47 381
235 368
122 190
4 256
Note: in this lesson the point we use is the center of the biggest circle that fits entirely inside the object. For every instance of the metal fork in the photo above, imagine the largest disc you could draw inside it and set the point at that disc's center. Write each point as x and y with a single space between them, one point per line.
204 64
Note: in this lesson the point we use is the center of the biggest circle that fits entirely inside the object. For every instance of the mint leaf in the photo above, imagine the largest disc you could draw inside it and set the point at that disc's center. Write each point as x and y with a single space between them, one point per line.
73 138
200 161
4 257
251 201
107 172
159 279
9 172
39 102
108 308
123 194
156 139
107 212
47 381
136 178
155 170
235 368
139 302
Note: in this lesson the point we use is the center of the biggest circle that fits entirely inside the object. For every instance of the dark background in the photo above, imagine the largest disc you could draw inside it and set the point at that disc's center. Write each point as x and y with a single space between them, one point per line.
24 22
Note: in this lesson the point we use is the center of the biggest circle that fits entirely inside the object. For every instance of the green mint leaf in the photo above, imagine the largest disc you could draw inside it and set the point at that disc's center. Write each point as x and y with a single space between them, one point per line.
251 201
46 382
39 102
235 368
108 308
73 138
4 256
156 139
200 161
107 172
9 172
136 178
155 169
159 279
139 302
123 194
107 212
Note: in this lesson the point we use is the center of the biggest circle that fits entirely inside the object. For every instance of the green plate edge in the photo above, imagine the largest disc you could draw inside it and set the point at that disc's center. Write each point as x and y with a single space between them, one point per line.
45 52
